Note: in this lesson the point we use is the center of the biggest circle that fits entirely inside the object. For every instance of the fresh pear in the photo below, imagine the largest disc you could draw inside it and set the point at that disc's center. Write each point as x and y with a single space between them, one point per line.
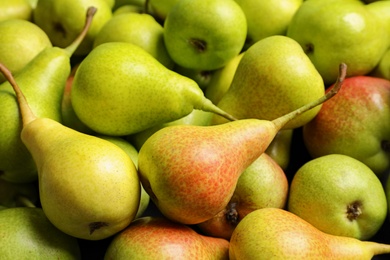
272 233
138 28
190 172
128 9
262 185
21 41
331 193
120 89
43 81
382 70
62 20
204 34
26 233
334 31
133 154
273 77
280 148
161 8
88 187
15 9
159 238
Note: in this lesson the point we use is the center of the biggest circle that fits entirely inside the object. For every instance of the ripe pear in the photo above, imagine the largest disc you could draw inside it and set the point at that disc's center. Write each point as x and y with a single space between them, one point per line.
204 34
120 89
262 185
334 31
331 193
272 233
140 29
26 233
43 81
21 41
356 123
88 187
273 77
159 238
190 172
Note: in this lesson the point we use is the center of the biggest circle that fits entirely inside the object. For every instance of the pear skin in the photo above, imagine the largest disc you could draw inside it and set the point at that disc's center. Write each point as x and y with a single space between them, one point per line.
159 238
190 172
272 233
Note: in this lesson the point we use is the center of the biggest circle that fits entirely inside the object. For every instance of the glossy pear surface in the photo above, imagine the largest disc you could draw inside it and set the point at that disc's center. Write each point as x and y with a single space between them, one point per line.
272 233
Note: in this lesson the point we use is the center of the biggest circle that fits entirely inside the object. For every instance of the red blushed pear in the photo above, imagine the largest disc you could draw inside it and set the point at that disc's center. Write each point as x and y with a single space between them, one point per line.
190 172
355 123
159 238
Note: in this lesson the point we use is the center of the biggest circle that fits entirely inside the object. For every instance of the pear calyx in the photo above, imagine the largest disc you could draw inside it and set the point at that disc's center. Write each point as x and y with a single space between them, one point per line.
354 210
96 225
232 214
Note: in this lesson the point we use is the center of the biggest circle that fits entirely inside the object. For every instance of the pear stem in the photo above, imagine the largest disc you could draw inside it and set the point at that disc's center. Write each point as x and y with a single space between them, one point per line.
211 107
76 43
283 120
26 202
25 110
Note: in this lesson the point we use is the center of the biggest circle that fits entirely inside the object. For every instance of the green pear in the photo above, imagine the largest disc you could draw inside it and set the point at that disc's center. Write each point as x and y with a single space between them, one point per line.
18 194
381 8
88 187
43 81
221 80
190 172
159 238
262 185
267 18
133 154
196 117
355 123
119 3
26 233
21 41
161 8
204 34
15 9
273 77
382 70
272 233
334 31
140 29
62 20
128 9
280 148
331 193
120 89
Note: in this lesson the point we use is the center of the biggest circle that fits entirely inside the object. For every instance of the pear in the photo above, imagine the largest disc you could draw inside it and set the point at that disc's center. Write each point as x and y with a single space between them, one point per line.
159 238
262 185
330 192
15 9
264 79
26 233
43 81
21 41
138 28
88 187
272 233
190 172
120 89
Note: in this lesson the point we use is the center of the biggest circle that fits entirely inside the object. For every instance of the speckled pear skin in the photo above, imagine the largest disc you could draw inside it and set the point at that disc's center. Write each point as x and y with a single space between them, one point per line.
120 89
272 233
88 187
273 78
191 172
152 238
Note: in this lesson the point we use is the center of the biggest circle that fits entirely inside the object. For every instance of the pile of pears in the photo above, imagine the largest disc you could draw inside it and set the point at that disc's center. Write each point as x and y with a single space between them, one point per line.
173 129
